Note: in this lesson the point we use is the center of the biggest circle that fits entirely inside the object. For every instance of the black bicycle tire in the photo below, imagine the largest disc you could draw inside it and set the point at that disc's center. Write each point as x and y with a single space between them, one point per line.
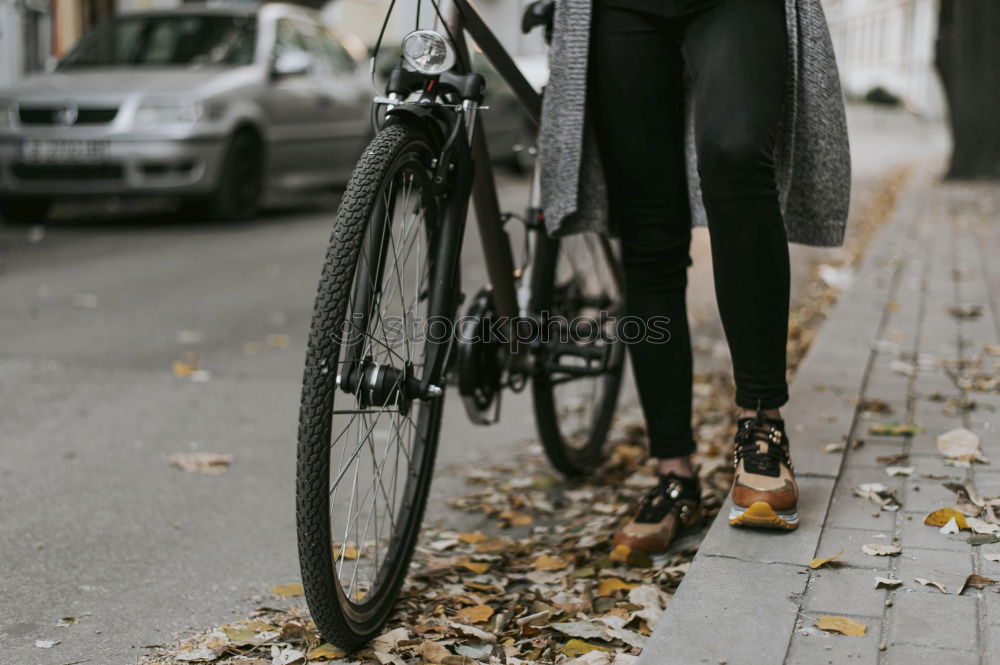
571 461
324 595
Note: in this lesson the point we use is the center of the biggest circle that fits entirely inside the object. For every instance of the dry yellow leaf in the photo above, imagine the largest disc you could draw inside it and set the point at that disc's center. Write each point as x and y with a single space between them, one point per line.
620 553
546 562
183 369
941 516
432 652
493 545
277 341
841 625
477 567
348 552
611 584
476 614
576 648
472 538
819 561
516 518
239 635
326 652
287 590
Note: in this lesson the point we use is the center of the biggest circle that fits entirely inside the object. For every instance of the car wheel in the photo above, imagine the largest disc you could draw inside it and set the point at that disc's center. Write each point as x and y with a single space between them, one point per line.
24 210
241 184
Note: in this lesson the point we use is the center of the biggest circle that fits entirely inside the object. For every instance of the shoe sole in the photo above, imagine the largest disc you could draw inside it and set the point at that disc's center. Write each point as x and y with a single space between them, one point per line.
761 516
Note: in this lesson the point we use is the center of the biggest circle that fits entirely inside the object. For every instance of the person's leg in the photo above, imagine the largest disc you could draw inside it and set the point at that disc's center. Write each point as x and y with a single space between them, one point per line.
636 101
636 104
736 52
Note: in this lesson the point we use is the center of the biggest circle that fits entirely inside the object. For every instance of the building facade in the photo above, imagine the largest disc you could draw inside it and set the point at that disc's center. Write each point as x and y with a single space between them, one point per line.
888 44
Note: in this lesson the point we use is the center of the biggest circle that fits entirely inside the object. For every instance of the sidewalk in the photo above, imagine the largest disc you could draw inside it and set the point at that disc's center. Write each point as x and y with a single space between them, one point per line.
750 598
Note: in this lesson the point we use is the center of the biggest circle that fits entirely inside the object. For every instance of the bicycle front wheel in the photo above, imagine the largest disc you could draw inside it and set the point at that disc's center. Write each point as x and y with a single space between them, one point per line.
366 446
574 288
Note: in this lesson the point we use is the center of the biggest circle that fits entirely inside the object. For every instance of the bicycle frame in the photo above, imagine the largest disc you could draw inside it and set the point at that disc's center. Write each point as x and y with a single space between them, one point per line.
462 18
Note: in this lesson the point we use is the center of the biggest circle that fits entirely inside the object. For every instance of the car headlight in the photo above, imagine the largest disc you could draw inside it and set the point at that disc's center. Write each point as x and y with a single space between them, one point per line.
428 52
154 114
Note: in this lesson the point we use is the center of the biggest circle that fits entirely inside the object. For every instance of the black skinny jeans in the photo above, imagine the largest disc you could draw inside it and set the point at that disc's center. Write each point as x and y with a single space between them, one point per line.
733 54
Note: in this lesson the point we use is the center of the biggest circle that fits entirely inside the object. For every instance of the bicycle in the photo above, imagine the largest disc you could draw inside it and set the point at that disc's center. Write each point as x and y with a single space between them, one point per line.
392 267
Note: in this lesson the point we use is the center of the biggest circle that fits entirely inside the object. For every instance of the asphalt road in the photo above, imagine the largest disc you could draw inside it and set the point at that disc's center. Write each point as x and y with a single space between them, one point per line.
94 523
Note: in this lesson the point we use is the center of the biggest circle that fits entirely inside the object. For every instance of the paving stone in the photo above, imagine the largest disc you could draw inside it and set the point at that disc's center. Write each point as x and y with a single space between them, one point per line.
925 496
853 512
950 568
923 619
905 654
874 447
794 547
914 533
934 464
811 646
758 619
845 591
851 540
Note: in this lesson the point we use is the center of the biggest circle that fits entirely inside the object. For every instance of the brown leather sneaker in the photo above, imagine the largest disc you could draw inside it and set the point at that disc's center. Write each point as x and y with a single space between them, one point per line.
764 490
668 512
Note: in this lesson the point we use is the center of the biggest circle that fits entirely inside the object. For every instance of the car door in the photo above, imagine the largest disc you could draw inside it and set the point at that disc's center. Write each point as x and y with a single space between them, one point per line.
296 105
346 95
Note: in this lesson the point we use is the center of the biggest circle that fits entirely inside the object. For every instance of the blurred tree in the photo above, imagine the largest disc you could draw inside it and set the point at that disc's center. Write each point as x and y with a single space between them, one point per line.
968 60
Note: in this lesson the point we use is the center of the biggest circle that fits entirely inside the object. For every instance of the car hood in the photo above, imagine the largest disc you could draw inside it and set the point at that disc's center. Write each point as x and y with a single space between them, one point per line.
127 81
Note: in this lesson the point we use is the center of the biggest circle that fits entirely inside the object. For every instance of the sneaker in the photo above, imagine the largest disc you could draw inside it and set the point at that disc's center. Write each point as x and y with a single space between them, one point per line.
764 490
668 512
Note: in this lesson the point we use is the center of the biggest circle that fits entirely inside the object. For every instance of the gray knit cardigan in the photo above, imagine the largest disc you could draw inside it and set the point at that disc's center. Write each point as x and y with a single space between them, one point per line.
812 155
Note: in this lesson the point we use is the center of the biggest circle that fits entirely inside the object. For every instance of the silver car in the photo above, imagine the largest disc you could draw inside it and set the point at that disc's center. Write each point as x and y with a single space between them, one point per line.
218 107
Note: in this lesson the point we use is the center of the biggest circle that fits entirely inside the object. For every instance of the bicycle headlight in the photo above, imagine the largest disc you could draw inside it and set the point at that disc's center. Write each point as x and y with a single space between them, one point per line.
428 52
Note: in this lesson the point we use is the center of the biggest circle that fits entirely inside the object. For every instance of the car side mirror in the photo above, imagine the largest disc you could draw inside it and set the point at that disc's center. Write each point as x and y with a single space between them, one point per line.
292 63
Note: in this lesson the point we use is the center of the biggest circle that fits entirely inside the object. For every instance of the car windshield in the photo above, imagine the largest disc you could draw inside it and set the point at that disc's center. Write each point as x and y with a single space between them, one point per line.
188 40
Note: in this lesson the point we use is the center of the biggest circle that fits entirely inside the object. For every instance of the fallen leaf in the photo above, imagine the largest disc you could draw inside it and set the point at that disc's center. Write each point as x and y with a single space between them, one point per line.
983 539
474 614
977 581
277 341
286 656
199 655
478 567
491 545
991 556
432 652
547 562
886 583
835 447
950 527
575 648
895 429
515 518
68 621
201 462
878 494
892 459
609 585
982 526
960 444
881 550
347 552
932 583
325 652
899 470
819 561
472 538
183 369
966 310
288 590
942 516
620 553
46 644
239 635
472 631
841 625
874 405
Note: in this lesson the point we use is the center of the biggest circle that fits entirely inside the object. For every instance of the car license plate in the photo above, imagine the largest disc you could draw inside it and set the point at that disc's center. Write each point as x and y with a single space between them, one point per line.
51 151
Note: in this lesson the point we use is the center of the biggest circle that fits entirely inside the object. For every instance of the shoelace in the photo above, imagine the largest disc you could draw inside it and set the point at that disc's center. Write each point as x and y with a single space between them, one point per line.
659 502
752 433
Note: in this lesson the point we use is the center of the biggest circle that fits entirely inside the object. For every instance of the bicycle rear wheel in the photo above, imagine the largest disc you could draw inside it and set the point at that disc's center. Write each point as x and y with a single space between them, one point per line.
366 446
574 288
